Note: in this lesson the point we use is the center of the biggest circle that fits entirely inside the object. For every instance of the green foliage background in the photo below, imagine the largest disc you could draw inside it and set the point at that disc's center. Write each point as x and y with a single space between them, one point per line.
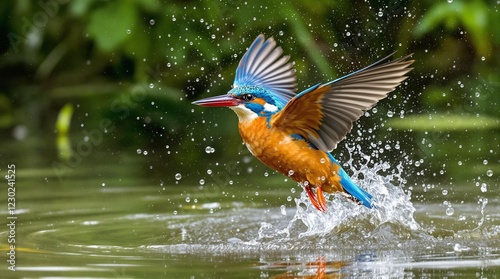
139 64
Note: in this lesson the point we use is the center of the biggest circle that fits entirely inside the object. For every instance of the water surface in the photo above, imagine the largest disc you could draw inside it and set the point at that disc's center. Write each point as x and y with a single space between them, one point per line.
106 221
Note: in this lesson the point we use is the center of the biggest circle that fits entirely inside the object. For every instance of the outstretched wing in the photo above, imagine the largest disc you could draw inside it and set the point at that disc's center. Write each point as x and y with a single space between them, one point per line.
324 113
263 66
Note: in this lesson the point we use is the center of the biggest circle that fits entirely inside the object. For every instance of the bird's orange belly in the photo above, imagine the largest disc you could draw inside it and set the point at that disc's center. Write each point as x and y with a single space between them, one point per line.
291 157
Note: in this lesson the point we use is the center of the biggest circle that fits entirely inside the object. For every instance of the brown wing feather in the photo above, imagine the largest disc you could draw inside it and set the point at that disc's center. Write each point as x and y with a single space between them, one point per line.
325 115
302 115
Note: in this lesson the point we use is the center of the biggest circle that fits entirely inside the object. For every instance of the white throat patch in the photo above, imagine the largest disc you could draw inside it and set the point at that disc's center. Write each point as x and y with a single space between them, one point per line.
270 108
243 113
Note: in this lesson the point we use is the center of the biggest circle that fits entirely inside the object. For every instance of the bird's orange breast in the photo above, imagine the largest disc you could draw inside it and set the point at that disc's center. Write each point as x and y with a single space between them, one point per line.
291 157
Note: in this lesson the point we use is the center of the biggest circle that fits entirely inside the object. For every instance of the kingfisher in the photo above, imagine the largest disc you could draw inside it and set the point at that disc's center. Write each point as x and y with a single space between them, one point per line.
295 133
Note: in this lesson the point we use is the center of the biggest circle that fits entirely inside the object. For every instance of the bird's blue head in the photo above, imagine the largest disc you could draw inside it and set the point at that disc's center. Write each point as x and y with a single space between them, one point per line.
254 101
264 82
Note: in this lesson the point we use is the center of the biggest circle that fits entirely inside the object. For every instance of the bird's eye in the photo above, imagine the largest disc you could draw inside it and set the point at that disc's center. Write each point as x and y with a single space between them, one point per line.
247 97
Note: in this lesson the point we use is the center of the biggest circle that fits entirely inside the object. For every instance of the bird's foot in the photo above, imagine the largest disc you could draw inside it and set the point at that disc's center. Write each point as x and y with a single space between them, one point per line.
318 200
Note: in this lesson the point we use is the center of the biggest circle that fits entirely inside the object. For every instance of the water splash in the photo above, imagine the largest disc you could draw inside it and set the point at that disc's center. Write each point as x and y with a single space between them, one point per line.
392 216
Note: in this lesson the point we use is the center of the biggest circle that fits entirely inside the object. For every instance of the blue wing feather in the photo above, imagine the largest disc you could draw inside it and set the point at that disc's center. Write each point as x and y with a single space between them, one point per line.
264 66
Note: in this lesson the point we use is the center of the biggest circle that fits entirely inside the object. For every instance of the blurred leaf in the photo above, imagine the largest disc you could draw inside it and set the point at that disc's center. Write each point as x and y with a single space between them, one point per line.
437 14
111 24
80 7
475 21
63 123
64 119
307 41
472 16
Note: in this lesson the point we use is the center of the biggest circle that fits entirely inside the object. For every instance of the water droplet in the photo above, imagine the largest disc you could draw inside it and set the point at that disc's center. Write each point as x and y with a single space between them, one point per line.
213 36
290 172
144 152
209 171
151 85
139 151
417 163
202 181
445 192
484 187
485 162
450 211
283 210
266 174
178 176
483 58
390 114
322 160
348 33
489 173
188 199
152 22
281 33
293 190
256 193
459 163
289 198
380 14
175 212
450 1
209 149
128 31
103 184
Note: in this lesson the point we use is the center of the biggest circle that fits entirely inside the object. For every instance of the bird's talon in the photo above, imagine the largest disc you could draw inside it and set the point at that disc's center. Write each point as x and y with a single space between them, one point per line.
317 200
321 199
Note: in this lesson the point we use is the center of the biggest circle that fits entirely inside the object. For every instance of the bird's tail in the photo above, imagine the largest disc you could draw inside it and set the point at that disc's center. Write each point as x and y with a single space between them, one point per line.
355 191
352 189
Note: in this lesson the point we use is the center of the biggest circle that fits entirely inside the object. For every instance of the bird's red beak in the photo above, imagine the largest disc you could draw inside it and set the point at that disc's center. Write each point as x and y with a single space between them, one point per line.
218 101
